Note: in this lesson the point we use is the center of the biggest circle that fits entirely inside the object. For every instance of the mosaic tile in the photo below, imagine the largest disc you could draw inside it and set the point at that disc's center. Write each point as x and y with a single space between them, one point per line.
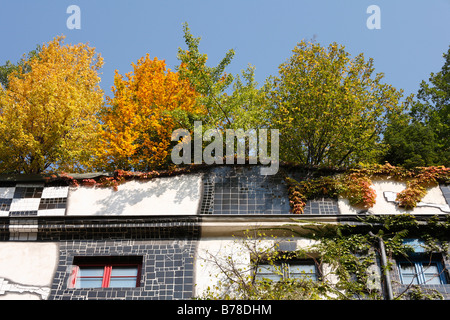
7 192
32 199
243 190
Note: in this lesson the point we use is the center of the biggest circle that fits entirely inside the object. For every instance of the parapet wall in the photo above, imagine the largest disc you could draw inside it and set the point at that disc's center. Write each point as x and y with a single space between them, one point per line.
217 190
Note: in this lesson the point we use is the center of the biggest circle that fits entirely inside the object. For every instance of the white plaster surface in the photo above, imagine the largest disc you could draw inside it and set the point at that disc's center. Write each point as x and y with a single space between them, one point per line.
434 198
177 195
214 251
27 269
207 272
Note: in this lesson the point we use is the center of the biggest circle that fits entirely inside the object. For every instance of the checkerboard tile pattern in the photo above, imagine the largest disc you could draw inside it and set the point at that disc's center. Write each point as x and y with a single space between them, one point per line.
32 199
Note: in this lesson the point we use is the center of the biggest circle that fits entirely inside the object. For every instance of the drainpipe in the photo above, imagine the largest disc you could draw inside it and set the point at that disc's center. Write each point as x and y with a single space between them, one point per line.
384 264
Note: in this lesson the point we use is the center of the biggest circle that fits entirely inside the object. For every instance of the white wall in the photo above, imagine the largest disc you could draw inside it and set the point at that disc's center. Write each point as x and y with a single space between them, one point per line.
27 269
384 187
177 195
212 252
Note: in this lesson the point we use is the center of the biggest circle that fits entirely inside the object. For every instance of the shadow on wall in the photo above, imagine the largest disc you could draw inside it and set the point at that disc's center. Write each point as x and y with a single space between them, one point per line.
168 195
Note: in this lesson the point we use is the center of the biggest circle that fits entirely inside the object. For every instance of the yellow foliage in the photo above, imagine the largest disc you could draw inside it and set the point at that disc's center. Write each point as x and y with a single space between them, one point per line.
47 111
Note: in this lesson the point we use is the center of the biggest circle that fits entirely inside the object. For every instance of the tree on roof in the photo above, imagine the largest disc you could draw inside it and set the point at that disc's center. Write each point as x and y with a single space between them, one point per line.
47 109
330 108
137 123
421 136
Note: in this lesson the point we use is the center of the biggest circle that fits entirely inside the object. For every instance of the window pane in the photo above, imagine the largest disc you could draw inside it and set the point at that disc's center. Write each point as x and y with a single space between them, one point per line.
302 271
122 277
91 271
90 277
124 272
408 273
122 283
407 269
408 279
89 283
268 271
431 274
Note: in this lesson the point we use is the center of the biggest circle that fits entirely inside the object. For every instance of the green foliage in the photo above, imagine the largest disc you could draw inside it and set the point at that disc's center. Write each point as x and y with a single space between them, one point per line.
355 185
433 108
242 108
21 66
350 257
411 144
345 253
238 280
420 137
210 82
419 293
329 108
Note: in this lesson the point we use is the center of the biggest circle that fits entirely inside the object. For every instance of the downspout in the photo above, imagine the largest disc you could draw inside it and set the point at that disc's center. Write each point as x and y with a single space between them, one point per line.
387 276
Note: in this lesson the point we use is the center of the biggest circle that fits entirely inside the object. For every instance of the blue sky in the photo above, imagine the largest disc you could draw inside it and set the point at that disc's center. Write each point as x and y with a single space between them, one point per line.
409 46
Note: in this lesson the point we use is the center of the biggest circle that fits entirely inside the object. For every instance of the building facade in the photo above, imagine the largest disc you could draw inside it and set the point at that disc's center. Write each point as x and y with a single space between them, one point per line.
147 238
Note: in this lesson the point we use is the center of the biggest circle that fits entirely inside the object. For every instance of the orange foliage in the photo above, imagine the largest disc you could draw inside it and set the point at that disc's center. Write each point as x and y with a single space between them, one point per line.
148 104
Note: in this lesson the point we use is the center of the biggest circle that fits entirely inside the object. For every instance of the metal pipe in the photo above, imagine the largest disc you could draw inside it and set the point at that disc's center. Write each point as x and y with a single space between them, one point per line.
387 276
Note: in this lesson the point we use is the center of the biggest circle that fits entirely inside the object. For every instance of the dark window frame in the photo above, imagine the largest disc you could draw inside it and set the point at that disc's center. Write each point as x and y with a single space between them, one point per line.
419 262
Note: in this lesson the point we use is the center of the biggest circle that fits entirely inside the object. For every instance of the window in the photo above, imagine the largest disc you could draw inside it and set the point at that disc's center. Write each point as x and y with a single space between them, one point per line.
287 270
419 270
302 271
106 272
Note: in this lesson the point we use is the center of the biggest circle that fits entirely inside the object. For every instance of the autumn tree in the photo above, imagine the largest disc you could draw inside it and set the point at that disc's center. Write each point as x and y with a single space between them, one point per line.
48 103
20 66
147 105
330 108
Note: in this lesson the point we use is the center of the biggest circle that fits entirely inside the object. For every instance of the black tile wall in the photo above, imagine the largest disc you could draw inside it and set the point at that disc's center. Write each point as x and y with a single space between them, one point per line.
4 230
5 204
108 227
243 190
28 192
446 192
167 269
53 203
167 246
23 213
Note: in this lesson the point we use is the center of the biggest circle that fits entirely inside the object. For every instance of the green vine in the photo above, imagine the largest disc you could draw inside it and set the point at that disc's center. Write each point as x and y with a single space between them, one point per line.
346 256
355 185
351 248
